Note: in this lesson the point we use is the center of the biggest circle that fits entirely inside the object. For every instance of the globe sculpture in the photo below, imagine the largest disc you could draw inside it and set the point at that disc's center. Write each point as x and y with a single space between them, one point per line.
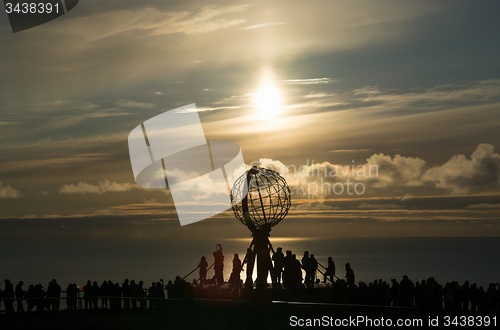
264 200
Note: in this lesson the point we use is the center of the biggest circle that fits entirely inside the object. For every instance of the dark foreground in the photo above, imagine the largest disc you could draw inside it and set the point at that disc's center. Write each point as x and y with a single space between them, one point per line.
206 314
260 309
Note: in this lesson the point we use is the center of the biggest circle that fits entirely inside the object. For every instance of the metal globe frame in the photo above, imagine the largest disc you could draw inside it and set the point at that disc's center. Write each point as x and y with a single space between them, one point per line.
264 200
267 198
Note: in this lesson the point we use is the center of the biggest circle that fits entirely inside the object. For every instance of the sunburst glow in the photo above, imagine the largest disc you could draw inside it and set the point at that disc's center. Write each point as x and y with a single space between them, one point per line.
268 102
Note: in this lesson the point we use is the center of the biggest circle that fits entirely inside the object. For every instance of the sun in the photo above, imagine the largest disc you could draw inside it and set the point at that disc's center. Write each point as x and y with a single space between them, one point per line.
268 102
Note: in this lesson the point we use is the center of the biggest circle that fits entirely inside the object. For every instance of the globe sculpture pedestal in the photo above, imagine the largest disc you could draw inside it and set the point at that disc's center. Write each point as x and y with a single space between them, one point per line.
264 200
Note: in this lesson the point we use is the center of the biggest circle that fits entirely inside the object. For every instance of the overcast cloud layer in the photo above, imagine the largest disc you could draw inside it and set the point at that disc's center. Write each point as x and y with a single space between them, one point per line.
409 88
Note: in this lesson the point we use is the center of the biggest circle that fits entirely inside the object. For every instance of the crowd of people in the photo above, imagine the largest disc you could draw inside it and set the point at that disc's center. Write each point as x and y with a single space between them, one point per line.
427 294
108 295
286 271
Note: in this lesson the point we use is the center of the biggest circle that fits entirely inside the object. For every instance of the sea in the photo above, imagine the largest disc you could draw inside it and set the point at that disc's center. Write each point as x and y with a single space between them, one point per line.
476 259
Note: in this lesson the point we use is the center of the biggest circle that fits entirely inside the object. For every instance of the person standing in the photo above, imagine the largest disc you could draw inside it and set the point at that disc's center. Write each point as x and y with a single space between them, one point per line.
250 262
141 294
203 270
87 293
330 270
305 258
278 259
71 294
126 294
8 297
57 295
19 296
219 264
104 295
311 268
349 274
235 275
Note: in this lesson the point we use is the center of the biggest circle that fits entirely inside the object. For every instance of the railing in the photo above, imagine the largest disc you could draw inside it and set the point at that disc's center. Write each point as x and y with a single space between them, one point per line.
325 272
195 270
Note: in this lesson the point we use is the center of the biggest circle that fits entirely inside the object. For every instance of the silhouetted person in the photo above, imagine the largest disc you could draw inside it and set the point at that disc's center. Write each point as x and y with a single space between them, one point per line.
115 294
473 296
126 294
287 269
168 287
235 274
141 294
8 297
395 292
71 294
405 292
39 294
51 294
111 292
87 293
104 295
57 294
151 294
311 267
465 296
219 264
203 265
330 270
297 271
349 274
19 296
133 293
96 291
305 258
159 293
292 275
278 259
250 262
29 295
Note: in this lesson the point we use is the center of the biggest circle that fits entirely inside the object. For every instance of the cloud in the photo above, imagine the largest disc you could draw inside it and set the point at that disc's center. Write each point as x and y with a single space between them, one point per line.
321 179
155 21
484 206
379 206
407 197
101 188
437 98
313 95
252 27
349 150
397 171
386 100
311 81
203 109
461 175
133 104
9 192
313 206
77 159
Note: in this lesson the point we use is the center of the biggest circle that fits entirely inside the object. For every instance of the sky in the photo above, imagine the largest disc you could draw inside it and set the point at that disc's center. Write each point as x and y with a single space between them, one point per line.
320 91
